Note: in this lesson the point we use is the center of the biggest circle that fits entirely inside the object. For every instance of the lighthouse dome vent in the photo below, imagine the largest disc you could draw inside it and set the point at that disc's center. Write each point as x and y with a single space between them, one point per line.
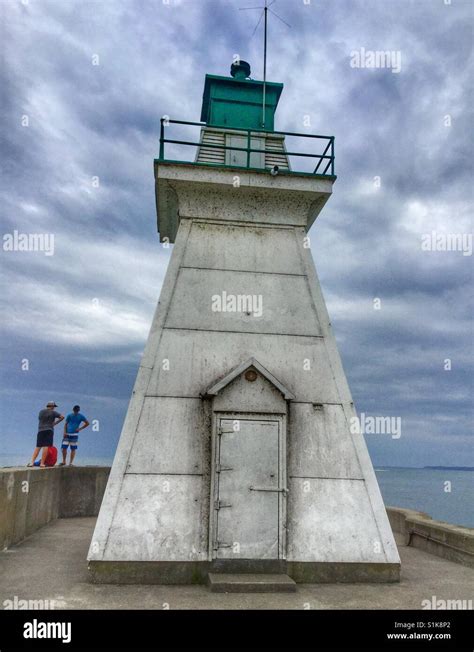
240 70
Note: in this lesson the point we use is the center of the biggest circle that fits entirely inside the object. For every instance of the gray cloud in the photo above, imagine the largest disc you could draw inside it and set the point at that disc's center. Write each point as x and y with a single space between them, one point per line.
88 121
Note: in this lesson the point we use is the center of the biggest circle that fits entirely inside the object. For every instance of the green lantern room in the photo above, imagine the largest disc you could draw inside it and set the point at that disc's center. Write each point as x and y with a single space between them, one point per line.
235 103
236 133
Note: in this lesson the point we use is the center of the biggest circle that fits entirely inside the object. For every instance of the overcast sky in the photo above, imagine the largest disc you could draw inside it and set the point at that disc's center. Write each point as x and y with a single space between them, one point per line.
83 87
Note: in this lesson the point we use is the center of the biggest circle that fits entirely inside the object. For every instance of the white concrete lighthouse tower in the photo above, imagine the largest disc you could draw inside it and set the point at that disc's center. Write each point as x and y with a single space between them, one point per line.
236 455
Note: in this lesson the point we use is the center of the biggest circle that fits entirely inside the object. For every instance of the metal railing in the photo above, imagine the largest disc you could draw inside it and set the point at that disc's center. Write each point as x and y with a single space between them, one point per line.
327 157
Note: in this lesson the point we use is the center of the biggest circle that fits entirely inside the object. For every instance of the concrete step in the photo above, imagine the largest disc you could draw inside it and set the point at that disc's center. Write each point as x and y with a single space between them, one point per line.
271 566
250 583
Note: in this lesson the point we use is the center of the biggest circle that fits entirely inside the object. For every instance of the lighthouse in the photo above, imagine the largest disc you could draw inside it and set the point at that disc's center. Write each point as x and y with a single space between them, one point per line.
238 453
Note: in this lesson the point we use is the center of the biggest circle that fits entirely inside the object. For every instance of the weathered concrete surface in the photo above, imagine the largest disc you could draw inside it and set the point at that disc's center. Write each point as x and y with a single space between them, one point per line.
445 540
31 498
82 490
78 491
52 565
185 190
162 503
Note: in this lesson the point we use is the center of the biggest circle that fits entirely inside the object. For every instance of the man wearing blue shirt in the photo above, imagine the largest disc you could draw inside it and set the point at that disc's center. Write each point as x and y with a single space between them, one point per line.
72 427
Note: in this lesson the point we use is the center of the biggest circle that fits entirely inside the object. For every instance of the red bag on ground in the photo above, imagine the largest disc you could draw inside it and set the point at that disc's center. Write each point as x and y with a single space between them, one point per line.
52 456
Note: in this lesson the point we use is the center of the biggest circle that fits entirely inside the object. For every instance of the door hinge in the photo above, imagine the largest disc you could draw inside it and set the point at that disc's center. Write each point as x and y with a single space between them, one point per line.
220 468
221 431
221 544
218 504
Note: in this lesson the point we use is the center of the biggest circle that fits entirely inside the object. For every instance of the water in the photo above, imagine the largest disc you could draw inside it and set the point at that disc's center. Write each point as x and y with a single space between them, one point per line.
426 491
419 489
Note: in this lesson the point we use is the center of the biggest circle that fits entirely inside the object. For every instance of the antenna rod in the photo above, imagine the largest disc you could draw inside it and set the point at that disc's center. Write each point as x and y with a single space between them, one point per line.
266 9
264 65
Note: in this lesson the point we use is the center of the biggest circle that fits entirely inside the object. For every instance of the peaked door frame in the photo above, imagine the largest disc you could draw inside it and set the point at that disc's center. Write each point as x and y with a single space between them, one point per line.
282 471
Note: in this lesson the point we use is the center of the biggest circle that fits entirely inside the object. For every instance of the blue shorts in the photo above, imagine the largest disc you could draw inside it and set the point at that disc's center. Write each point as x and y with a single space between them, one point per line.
70 440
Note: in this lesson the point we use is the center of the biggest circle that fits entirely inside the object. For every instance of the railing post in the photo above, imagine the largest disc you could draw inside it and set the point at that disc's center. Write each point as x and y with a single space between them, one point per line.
248 148
332 155
162 138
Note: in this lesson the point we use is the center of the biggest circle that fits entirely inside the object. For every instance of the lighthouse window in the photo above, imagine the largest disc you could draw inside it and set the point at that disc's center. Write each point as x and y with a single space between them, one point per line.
238 157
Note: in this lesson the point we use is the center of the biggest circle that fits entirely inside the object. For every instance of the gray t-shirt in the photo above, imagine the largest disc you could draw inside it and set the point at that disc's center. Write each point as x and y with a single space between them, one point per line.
46 419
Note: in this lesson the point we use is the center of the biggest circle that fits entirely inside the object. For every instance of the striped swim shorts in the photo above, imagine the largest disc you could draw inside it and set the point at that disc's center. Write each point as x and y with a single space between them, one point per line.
71 440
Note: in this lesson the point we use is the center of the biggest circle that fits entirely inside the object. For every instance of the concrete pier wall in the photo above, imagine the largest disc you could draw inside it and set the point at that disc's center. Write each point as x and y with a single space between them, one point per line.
451 542
31 498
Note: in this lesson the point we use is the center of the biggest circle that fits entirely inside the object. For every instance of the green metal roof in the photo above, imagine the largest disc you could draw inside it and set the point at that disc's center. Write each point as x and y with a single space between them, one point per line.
237 103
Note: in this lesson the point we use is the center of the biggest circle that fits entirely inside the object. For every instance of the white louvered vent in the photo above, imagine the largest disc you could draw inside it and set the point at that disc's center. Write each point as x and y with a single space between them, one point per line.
276 144
278 155
211 154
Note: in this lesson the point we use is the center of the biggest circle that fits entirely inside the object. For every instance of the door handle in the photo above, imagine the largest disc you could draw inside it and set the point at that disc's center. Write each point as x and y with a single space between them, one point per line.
283 491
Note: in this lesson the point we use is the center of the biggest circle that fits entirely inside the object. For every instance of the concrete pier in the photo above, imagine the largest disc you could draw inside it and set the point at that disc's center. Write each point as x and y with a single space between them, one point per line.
31 497
45 550
51 565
